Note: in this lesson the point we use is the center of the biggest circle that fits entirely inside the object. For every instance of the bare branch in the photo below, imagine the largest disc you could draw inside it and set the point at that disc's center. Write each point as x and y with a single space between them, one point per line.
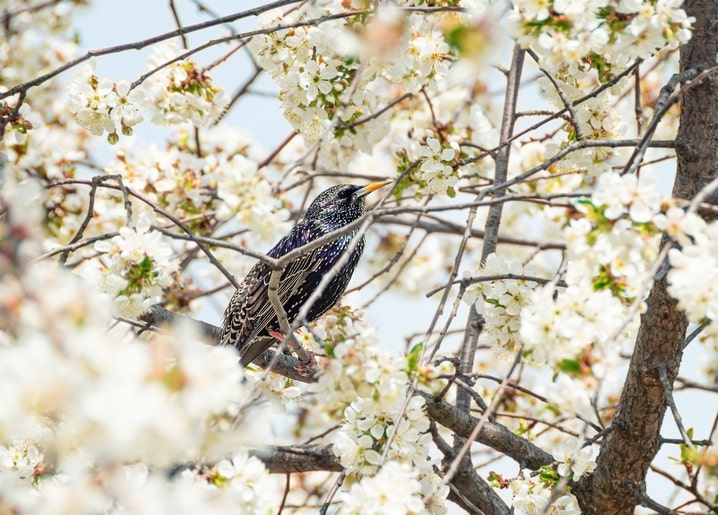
492 434
662 374
298 458
96 180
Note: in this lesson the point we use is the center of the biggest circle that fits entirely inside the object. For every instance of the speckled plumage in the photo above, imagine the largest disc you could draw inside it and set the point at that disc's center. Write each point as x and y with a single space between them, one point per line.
250 316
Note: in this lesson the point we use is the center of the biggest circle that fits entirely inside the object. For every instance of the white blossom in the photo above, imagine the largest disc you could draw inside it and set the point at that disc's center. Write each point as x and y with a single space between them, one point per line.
573 461
394 489
181 92
501 300
140 265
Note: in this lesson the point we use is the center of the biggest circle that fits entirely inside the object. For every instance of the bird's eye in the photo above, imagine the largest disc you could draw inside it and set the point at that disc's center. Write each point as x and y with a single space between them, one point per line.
344 193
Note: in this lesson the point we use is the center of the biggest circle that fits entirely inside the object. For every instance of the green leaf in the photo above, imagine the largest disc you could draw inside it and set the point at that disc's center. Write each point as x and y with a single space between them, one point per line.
329 351
569 366
412 359
549 475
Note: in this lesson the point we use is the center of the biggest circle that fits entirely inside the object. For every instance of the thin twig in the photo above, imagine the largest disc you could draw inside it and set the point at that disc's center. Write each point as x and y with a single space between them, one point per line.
666 99
562 95
164 213
178 23
96 181
668 390
332 492
286 493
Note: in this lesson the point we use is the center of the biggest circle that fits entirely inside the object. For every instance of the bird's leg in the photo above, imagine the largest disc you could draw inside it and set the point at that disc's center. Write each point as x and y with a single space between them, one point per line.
276 334
307 362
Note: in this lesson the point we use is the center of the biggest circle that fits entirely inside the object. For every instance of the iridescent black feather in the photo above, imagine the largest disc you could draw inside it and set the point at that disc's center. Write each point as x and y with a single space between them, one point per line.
250 316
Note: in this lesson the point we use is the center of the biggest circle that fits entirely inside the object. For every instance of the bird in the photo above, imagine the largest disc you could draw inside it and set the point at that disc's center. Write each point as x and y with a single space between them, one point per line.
250 321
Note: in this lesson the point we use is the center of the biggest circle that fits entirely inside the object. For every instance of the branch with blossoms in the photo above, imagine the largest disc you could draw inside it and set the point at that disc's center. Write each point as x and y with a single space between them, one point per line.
137 45
491 434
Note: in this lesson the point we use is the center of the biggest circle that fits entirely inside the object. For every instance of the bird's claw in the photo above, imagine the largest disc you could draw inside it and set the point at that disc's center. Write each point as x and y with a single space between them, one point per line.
303 368
307 368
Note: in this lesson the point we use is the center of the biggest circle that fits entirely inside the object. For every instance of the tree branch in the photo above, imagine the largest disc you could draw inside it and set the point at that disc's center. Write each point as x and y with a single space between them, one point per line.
494 435
298 458
280 363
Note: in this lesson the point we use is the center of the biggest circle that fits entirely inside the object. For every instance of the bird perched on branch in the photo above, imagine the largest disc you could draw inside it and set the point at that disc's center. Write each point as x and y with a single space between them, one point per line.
250 321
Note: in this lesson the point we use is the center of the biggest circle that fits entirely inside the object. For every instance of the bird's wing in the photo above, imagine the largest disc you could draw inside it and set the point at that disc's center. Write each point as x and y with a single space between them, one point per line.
250 311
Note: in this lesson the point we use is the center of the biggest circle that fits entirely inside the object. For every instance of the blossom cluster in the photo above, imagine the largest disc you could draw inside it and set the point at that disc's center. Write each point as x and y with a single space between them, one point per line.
101 105
85 399
336 80
584 44
596 118
177 92
43 149
19 121
180 91
437 174
534 493
500 298
23 457
37 38
140 265
394 489
532 496
223 179
364 389
369 427
136 488
601 33
218 187
429 159
573 460
87 393
248 481
696 293
609 261
333 76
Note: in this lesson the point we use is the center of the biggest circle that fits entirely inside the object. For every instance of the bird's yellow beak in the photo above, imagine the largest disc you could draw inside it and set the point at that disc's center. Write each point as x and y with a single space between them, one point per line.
363 192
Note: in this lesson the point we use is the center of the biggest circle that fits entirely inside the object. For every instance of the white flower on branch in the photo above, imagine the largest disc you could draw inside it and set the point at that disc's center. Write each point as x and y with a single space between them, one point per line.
140 265
102 106
181 91
394 489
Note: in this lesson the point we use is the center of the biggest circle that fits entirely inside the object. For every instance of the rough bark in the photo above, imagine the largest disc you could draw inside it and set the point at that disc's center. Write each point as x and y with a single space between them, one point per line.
298 458
634 439
697 139
493 435
474 495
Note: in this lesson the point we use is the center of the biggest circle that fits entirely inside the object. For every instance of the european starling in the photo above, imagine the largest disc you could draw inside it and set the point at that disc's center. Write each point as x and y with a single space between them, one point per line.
250 319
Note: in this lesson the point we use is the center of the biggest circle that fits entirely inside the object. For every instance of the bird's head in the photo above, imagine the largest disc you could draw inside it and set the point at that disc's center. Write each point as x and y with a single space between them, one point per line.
341 204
